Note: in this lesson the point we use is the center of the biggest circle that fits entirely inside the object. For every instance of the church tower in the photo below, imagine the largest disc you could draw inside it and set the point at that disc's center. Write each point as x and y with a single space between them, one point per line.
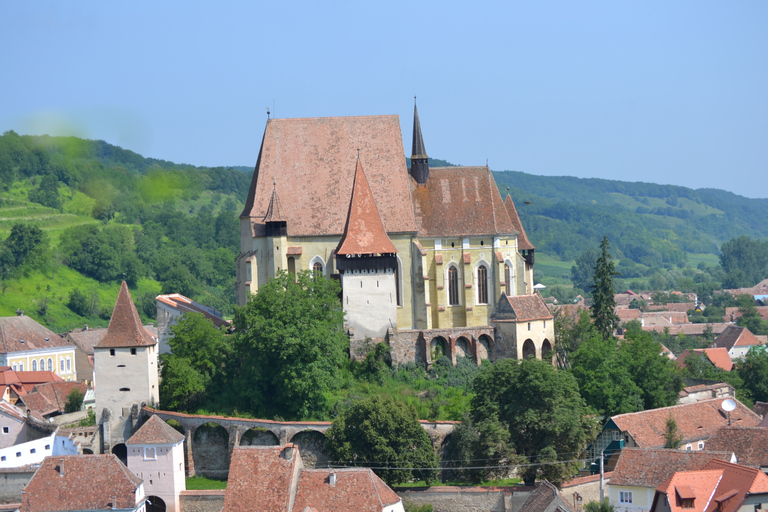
367 262
419 159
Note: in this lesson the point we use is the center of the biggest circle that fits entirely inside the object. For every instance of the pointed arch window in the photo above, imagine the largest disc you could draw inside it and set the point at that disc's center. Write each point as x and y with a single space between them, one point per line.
34 365
507 276
453 286
317 268
482 284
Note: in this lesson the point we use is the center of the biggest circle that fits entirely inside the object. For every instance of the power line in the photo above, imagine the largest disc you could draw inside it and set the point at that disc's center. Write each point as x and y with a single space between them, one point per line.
507 466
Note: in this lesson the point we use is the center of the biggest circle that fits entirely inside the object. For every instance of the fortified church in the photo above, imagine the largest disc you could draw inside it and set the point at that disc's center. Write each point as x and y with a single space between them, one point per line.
431 260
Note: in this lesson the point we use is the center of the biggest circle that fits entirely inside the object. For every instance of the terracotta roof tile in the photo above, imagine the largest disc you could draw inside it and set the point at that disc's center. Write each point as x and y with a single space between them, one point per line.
649 467
529 307
355 490
258 474
155 431
748 443
185 304
86 339
523 243
11 410
542 497
51 397
734 335
717 356
689 329
700 484
739 478
274 211
81 482
364 232
460 201
125 329
700 420
21 334
310 158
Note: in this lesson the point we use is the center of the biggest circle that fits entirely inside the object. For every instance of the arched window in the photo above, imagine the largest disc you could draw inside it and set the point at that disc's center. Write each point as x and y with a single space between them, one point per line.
42 365
482 284
453 286
50 364
317 268
34 365
317 265
61 365
508 278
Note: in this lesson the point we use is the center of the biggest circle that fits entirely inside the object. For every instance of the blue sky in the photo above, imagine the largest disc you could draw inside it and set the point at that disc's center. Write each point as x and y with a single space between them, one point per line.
656 91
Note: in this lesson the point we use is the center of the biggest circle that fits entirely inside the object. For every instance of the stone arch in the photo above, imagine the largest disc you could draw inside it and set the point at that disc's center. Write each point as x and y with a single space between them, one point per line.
483 348
438 347
529 349
176 426
321 261
463 347
210 450
155 504
422 349
311 444
259 436
87 451
121 451
546 348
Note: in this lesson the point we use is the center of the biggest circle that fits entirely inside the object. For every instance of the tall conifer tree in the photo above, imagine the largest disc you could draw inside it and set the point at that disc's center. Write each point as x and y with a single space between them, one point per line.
604 305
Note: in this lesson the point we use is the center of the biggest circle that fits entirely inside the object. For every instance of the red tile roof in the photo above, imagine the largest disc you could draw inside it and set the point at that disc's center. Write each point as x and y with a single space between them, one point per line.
355 490
523 243
364 232
460 201
529 307
737 478
51 397
691 329
11 410
86 339
717 356
155 431
81 482
699 484
748 443
259 475
733 335
185 304
649 467
310 161
700 420
125 329
21 334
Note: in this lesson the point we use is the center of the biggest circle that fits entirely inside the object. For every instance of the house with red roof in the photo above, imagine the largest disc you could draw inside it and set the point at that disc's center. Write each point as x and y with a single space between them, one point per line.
747 443
274 478
17 384
451 243
94 483
737 341
718 487
27 345
717 356
524 327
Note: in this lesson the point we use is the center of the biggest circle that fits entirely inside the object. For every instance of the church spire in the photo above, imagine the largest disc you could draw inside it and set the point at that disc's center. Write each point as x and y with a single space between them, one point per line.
274 221
419 159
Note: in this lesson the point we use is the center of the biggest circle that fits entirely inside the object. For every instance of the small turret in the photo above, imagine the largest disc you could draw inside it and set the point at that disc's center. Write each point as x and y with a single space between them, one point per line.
419 159
275 222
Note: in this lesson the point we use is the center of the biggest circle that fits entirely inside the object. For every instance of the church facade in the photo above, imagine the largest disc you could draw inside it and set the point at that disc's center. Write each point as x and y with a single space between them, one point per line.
424 254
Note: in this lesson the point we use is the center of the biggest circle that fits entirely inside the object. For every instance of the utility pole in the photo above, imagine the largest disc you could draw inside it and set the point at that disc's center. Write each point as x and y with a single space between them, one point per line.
602 477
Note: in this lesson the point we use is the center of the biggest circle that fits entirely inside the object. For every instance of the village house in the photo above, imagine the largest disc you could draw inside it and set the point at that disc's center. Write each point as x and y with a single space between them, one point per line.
718 487
16 384
737 341
639 471
84 340
717 356
171 307
274 478
696 422
50 399
27 345
96 483
750 444
452 245
705 391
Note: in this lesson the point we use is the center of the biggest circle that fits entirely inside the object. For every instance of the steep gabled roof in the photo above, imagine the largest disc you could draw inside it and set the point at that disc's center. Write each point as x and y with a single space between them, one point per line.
717 356
733 335
51 397
364 232
355 490
125 328
155 431
523 243
81 482
737 482
748 443
259 475
524 308
86 339
696 421
21 334
460 201
649 467
274 211
309 159
700 486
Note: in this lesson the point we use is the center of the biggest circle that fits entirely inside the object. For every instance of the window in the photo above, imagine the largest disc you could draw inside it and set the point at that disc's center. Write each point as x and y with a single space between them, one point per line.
15 367
686 503
50 364
34 365
111 351
529 326
6 430
32 451
482 284
453 286
150 454
701 445
21 367
625 496
47 447
688 447
133 351
61 365
317 268
125 389
42 365
2 458
69 365
508 279
18 454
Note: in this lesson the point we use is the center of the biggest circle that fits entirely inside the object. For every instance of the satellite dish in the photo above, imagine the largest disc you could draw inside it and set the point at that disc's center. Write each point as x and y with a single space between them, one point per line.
728 405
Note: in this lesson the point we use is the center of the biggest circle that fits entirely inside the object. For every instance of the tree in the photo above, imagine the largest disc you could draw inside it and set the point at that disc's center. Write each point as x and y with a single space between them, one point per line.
753 370
599 506
27 246
541 409
745 261
478 451
199 351
386 435
583 270
672 435
74 401
604 305
291 346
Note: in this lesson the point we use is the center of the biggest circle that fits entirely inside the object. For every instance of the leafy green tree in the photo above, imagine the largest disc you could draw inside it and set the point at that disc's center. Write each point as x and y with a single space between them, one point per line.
476 450
604 305
74 401
541 409
27 247
753 370
199 351
745 261
672 435
599 506
570 333
583 270
292 347
657 376
47 193
386 435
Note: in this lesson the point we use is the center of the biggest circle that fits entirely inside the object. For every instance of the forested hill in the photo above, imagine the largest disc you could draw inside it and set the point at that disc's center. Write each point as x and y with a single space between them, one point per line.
654 225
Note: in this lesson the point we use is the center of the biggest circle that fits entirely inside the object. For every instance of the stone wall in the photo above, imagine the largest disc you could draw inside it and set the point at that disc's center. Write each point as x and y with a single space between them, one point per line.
12 481
201 501
468 499
409 345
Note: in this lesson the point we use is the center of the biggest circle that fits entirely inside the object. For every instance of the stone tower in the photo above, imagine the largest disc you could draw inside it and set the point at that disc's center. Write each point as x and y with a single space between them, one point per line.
367 263
125 373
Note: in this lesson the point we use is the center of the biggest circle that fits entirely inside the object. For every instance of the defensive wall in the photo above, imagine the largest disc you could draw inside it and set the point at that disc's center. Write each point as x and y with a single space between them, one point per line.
422 345
210 440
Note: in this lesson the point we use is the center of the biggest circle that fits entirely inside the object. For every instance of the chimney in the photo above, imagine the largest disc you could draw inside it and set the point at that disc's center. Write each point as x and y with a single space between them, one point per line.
61 467
287 453
19 312
332 479
85 327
